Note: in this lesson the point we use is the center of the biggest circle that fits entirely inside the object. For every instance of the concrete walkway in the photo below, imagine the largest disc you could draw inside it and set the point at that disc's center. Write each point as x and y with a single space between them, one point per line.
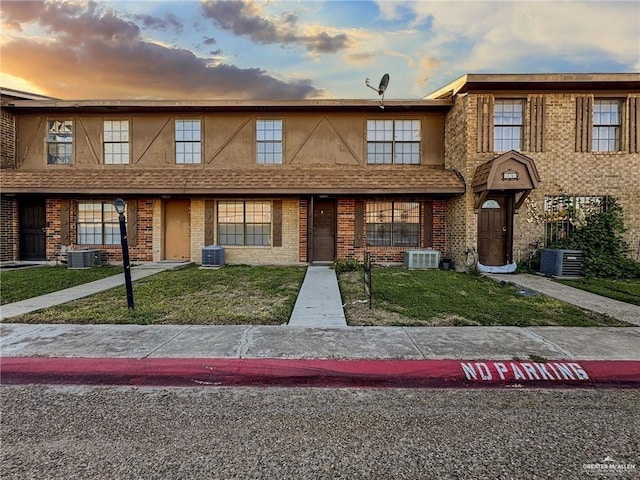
319 303
607 306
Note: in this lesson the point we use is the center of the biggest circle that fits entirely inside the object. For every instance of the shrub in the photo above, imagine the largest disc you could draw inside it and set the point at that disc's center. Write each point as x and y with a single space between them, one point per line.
600 238
347 265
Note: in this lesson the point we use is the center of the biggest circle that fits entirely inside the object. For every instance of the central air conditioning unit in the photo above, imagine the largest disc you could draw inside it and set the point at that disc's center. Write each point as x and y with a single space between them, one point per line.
84 258
561 263
422 259
213 256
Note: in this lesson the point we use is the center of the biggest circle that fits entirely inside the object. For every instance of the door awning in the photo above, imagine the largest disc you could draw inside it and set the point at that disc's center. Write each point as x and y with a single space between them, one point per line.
511 172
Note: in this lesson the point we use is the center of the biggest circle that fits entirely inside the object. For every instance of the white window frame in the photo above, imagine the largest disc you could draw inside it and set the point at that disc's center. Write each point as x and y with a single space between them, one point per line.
103 226
188 141
244 217
60 141
116 142
606 133
269 141
508 124
394 142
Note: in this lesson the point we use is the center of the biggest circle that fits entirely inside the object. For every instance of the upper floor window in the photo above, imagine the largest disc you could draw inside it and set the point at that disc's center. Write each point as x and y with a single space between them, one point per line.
98 224
188 141
607 122
508 123
393 141
116 142
59 142
393 223
269 141
244 223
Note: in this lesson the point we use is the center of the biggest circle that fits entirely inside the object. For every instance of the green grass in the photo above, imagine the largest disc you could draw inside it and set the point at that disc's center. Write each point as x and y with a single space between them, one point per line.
627 290
23 283
434 297
228 296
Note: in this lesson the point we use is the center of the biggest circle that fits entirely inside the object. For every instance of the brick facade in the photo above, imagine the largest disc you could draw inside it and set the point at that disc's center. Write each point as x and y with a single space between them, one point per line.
7 140
9 229
562 169
139 251
346 234
556 129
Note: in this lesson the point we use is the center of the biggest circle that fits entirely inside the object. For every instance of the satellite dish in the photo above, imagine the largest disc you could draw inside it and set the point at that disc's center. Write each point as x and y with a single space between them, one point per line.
384 83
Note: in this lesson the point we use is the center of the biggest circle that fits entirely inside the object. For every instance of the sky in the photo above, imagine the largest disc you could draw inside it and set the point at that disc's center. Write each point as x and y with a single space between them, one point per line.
279 49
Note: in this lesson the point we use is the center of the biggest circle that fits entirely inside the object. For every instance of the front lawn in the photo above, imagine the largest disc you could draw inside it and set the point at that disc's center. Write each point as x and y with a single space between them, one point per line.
23 283
231 295
627 290
436 297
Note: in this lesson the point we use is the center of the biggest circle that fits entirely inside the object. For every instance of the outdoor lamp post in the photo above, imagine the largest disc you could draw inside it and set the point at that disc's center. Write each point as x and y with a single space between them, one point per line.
120 207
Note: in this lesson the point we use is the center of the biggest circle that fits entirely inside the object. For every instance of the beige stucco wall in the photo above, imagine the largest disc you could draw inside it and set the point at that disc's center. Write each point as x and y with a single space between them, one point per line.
228 139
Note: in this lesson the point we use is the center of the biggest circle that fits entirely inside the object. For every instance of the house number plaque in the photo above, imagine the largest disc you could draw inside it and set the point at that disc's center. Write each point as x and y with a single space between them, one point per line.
509 175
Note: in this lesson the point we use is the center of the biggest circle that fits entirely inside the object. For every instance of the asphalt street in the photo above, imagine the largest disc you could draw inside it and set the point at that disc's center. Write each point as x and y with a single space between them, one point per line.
85 432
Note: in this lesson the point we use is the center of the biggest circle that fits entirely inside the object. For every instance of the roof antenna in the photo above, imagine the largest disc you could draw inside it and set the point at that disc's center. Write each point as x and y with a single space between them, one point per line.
384 83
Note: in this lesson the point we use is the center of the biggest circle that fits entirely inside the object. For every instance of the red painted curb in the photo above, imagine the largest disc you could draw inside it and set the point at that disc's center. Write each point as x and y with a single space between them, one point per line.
318 372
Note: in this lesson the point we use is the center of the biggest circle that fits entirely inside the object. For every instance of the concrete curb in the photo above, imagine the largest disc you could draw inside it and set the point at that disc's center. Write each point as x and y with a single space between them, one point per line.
443 373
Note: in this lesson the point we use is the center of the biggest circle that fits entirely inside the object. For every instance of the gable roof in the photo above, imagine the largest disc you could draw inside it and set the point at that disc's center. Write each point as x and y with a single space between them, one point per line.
264 180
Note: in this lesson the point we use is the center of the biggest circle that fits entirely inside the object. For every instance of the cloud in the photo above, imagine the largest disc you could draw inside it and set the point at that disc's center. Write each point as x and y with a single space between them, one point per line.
71 19
243 17
93 53
496 36
169 22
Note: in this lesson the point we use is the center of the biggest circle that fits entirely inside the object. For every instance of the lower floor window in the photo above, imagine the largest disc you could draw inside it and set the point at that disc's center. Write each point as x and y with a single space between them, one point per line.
564 214
393 223
97 224
244 223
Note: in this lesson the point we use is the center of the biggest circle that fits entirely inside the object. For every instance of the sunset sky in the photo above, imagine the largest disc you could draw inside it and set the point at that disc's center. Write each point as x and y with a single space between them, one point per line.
301 49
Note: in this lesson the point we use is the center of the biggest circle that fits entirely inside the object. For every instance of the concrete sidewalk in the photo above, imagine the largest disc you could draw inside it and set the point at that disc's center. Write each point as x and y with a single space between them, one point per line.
425 357
286 342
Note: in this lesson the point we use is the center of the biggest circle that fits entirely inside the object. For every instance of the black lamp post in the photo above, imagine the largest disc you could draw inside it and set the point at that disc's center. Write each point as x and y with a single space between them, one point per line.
120 207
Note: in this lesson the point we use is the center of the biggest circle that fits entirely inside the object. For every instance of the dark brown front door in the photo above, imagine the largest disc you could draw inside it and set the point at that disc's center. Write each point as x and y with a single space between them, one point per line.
33 236
493 231
324 231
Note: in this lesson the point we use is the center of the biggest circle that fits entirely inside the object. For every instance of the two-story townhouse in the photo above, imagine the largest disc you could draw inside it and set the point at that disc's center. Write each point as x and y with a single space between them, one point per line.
272 182
528 144
315 180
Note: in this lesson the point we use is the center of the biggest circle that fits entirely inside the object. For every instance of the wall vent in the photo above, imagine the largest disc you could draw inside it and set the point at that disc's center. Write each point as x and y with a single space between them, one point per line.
213 256
83 258
422 259
561 263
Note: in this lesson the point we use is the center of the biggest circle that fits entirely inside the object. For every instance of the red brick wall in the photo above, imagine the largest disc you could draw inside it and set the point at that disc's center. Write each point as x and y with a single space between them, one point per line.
346 234
9 230
142 251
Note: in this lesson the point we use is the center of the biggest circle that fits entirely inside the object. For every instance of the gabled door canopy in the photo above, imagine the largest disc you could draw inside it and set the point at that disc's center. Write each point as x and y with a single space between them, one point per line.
511 171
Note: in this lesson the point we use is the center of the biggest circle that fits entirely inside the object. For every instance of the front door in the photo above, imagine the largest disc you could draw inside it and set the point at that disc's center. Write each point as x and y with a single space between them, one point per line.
494 231
177 230
33 232
324 231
